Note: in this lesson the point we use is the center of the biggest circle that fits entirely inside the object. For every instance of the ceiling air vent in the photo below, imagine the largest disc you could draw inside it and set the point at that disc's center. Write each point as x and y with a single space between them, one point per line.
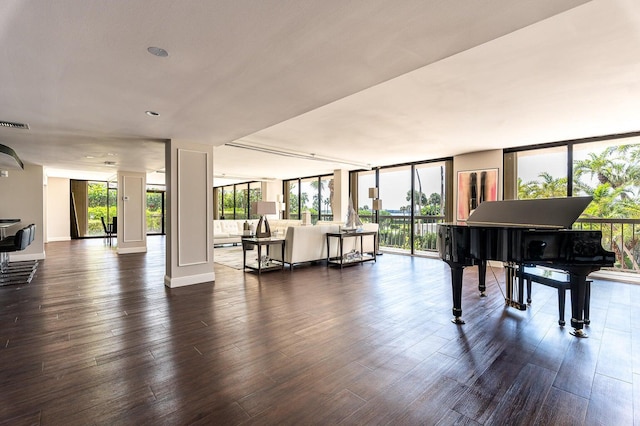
14 125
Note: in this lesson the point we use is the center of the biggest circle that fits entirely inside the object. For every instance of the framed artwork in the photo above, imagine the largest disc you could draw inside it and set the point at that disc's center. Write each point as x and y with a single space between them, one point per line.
474 187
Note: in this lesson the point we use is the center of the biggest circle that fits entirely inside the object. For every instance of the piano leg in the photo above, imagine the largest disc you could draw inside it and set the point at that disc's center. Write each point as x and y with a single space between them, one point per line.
482 277
578 294
456 285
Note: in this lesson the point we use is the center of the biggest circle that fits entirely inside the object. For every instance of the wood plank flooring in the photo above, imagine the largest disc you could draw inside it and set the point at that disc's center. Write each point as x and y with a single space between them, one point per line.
96 338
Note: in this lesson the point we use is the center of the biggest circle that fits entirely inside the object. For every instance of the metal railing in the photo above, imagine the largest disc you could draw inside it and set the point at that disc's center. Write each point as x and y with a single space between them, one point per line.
620 236
396 231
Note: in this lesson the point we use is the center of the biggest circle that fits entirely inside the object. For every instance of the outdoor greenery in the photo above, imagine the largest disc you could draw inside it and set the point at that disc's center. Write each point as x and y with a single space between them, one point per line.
100 197
612 178
235 203
610 175
97 207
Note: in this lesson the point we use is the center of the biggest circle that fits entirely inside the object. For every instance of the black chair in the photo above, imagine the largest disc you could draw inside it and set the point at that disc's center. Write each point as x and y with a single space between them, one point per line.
108 230
20 272
17 242
32 234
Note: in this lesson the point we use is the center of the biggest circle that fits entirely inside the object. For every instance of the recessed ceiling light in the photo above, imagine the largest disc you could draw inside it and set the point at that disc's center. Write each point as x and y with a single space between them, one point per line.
89 156
158 51
152 113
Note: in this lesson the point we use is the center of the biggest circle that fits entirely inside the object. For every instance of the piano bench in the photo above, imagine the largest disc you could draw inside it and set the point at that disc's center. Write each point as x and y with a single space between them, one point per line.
556 279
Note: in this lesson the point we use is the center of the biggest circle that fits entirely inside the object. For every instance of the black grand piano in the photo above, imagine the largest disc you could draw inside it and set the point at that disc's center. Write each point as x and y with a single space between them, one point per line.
525 232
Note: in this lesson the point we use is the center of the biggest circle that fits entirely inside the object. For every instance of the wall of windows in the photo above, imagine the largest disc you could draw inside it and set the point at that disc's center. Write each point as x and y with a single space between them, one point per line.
234 201
97 200
413 201
311 194
92 202
607 169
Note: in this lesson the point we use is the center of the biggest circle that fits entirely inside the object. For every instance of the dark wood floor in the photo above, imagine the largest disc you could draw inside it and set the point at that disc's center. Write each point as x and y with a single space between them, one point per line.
96 338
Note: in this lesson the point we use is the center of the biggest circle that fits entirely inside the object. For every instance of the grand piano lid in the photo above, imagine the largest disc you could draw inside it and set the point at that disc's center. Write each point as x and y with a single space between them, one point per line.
536 213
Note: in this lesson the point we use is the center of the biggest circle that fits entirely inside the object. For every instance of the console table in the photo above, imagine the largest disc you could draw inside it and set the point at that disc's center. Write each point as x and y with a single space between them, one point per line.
341 259
249 242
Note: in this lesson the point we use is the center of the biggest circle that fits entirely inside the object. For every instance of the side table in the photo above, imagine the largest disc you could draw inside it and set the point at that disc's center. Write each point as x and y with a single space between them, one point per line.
362 257
249 242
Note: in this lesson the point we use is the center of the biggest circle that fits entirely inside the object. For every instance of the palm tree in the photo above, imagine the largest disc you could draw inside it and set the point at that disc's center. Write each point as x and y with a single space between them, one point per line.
550 187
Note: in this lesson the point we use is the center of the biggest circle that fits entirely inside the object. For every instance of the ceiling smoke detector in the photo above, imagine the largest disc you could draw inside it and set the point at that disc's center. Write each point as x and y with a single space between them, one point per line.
14 125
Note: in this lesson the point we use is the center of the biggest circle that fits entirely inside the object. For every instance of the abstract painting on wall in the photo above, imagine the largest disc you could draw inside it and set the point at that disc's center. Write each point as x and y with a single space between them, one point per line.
474 187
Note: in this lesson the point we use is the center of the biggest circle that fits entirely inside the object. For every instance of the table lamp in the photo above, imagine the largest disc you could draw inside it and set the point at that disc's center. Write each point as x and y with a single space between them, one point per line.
263 208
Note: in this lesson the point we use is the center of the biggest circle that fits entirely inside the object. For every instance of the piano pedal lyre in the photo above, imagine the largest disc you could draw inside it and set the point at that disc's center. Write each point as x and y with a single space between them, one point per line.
514 287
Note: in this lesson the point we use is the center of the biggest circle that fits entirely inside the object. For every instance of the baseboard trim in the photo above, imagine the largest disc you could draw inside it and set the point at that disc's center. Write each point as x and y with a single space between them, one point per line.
189 280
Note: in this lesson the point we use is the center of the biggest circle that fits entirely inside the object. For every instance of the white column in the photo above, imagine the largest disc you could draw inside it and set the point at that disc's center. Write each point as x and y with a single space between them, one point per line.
340 204
189 179
131 230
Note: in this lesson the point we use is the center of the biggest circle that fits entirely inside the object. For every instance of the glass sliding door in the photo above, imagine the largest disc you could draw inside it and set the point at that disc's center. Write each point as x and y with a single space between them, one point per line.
97 208
429 197
155 210
92 202
397 204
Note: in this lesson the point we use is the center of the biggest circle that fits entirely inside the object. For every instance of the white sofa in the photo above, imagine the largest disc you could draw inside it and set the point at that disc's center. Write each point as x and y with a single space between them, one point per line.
229 231
309 243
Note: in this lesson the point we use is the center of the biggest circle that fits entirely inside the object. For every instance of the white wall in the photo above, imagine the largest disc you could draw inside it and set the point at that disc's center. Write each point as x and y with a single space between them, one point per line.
58 211
22 195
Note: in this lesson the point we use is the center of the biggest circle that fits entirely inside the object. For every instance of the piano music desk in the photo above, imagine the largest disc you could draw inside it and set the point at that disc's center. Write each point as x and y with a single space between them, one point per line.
556 279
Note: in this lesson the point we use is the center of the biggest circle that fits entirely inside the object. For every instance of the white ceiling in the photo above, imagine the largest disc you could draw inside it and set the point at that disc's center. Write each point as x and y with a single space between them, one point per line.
374 81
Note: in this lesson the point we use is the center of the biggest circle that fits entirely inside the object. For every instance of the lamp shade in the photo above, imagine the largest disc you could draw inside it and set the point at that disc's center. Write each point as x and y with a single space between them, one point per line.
373 192
377 204
266 207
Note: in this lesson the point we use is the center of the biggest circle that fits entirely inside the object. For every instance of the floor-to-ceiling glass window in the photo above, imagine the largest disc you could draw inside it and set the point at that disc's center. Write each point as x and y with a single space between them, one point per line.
92 203
156 209
242 201
309 197
325 193
607 169
429 196
312 194
366 184
292 192
98 208
394 219
228 202
407 201
235 201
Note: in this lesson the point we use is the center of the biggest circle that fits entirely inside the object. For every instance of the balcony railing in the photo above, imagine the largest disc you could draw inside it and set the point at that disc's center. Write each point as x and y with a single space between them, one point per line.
395 232
620 236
